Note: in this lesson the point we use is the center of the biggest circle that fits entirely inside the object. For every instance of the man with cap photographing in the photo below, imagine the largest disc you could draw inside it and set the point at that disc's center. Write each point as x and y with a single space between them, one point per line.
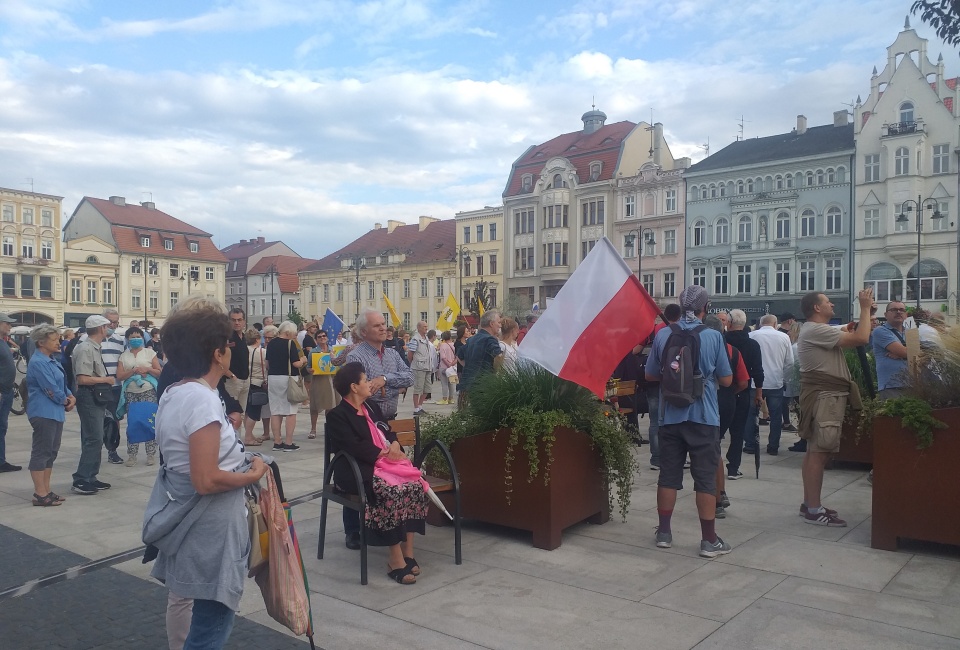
8 376
92 399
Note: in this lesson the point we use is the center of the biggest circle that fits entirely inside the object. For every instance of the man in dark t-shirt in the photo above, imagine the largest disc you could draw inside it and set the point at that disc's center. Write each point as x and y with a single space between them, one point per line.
481 353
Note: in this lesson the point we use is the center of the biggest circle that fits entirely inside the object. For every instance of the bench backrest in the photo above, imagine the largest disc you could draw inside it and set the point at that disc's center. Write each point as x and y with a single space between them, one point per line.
406 431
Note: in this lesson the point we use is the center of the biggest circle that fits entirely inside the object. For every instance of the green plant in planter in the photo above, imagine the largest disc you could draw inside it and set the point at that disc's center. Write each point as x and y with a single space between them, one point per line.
915 414
531 403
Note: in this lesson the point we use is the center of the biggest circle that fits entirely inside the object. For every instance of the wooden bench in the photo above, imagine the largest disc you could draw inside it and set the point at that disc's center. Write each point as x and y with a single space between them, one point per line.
408 435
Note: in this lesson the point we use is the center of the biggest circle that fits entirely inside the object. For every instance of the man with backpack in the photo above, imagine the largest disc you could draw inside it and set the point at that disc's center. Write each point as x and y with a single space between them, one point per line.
689 361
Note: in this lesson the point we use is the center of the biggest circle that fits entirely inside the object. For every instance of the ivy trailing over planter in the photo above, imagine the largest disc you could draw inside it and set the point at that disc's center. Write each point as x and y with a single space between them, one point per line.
914 413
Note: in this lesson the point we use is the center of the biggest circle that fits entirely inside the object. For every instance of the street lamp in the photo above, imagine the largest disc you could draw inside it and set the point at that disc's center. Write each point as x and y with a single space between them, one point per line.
356 265
930 204
646 236
463 255
272 272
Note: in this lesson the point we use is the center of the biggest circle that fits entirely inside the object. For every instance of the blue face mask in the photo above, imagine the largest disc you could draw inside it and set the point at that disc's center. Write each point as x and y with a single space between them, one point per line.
136 343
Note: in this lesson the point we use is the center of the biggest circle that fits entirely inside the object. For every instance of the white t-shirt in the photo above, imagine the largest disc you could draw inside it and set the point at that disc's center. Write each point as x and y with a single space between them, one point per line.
185 409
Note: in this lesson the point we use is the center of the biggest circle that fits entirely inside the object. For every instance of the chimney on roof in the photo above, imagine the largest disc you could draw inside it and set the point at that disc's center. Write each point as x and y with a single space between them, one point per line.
593 120
243 242
426 221
377 226
149 205
392 225
261 240
118 200
840 118
657 139
801 124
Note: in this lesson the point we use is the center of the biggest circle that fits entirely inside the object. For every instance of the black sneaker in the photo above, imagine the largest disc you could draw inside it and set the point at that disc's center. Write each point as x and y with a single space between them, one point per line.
291 447
100 485
7 467
764 422
279 446
82 487
789 427
114 458
799 445
735 476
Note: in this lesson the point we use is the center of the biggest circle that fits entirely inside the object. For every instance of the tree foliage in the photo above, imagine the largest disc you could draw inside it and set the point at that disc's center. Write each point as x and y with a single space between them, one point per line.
480 292
943 16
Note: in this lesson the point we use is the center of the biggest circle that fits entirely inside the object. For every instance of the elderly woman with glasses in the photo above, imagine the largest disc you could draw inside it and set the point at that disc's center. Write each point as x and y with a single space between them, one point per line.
48 399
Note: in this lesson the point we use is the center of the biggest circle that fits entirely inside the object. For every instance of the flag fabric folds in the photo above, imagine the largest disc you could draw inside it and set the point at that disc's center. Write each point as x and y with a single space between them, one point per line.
600 314
140 422
394 318
332 325
480 308
451 309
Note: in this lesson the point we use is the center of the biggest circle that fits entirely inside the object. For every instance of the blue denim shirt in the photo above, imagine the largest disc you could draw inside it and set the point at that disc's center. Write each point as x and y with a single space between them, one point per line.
46 388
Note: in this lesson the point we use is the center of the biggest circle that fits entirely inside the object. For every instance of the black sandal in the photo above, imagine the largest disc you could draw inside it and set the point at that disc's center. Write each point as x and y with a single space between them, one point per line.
399 574
412 565
45 501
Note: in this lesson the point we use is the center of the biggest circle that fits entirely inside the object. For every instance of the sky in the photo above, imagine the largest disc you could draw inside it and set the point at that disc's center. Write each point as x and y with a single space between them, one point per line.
308 121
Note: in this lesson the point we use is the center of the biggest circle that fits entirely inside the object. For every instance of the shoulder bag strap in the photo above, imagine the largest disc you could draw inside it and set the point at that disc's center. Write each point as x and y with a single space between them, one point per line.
289 356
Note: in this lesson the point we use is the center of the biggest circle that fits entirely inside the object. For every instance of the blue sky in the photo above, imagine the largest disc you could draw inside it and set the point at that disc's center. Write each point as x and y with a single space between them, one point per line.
309 120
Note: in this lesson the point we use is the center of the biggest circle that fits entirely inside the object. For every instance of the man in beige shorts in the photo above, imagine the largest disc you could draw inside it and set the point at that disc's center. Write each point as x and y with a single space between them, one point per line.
825 390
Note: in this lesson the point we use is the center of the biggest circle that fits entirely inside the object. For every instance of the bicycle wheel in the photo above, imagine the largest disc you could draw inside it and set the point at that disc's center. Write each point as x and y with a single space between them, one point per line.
19 399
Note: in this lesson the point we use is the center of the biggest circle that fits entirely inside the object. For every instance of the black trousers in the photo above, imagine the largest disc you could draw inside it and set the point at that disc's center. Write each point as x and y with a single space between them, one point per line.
738 425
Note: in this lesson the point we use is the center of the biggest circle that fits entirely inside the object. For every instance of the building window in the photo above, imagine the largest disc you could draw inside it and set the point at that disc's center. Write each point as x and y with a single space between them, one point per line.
933 281
175 298
555 254
526 182
739 187
900 225
153 267
175 270
194 272
154 302
721 280
423 316
10 284
703 191
820 177
647 282
46 218
8 213
807 275
26 248
745 229
145 241
783 277
136 266
46 249
479 233
557 182
700 276
168 244
466 234
871 222
46 287
808 223
263 306
209 273
406 288
385 287
906 112
943 207
523 221
555 216
649 245
75 291
406 320
941 158
871 168
630 206
886 281
493 232
467 262
326 293
440 291
466 297
9 243
194 248
523 260
902 161
834 225
423 287
595 171
629 249
91 291
135 299
721 231
669 285
783 226
586 247
832 271
778 182
371 290
291 305
700 233
713 191
592 212
27 214
107 292
669 242
492 299
27 286
744 275
339 291
493 263
480 265
831 175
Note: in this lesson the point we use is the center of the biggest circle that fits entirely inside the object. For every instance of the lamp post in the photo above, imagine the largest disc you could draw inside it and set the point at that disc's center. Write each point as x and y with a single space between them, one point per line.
463 255
356 265
930 204
272 272
640 236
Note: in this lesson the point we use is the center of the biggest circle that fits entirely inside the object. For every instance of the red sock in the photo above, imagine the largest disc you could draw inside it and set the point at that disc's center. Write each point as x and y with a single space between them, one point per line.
708 530
664 520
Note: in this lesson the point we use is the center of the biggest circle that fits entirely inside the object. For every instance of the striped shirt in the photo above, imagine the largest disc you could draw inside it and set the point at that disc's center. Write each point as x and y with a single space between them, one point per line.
110 350
385 362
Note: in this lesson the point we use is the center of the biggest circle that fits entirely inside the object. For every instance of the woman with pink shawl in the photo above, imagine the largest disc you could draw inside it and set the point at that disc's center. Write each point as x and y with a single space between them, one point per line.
396 492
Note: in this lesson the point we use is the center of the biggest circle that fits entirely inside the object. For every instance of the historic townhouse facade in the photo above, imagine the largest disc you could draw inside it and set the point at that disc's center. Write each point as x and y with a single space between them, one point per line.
31 260
480 240
243 256
908 143
414 265
768 220
159 260
273 287
560 198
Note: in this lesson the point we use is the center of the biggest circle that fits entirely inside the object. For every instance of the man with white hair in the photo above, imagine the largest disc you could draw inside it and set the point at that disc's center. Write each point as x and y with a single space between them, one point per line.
777 354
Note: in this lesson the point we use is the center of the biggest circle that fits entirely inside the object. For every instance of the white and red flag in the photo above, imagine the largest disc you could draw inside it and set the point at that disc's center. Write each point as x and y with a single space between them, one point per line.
600 314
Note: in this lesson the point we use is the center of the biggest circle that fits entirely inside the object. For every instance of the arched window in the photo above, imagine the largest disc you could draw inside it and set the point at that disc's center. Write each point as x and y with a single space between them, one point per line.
789 181
750 189
834 225
779 182
703 192
820 177
783 225
721 231
739 187
700 233
906 112
713 191
902 158
886 280
831 175
558 181
92 259
808 223
694 189
809 179
745 229
723 190
933 281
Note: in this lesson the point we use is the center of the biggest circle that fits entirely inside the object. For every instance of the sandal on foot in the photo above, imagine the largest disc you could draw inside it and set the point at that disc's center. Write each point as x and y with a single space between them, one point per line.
252 443
412 565
45 501
400 575
312 435
57 497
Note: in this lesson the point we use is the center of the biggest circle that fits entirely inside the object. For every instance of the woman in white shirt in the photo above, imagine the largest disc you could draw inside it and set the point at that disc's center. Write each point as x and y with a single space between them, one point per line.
138 369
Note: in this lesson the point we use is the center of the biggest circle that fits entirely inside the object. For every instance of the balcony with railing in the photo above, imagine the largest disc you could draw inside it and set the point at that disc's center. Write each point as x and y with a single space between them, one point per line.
903 128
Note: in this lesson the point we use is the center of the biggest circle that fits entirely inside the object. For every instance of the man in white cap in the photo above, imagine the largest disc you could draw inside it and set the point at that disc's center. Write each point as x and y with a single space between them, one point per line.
8 376
90 374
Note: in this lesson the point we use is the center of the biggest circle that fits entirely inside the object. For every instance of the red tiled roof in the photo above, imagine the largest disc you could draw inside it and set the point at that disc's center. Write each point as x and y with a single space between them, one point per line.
603 145
287 269
137 216
952 83
128 241
436 242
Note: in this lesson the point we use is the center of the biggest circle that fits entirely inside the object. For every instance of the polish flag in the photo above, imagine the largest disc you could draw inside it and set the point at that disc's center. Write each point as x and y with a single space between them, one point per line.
600 314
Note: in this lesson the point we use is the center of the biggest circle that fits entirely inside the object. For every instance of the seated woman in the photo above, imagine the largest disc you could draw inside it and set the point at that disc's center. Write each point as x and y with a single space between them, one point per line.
396 493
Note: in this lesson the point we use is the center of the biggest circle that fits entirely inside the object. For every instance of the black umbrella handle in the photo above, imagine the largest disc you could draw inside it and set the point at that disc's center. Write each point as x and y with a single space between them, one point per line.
865 367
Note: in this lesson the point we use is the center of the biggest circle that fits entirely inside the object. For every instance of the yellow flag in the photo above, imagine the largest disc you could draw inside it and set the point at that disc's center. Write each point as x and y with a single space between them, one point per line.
480 308
393 312
449 314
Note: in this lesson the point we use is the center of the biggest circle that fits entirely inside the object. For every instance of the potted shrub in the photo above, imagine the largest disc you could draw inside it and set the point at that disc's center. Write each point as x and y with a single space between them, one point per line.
536 452
854 446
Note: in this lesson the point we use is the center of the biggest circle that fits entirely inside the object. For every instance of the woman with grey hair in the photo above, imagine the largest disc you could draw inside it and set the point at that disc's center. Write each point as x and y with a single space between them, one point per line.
48 399
284 359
